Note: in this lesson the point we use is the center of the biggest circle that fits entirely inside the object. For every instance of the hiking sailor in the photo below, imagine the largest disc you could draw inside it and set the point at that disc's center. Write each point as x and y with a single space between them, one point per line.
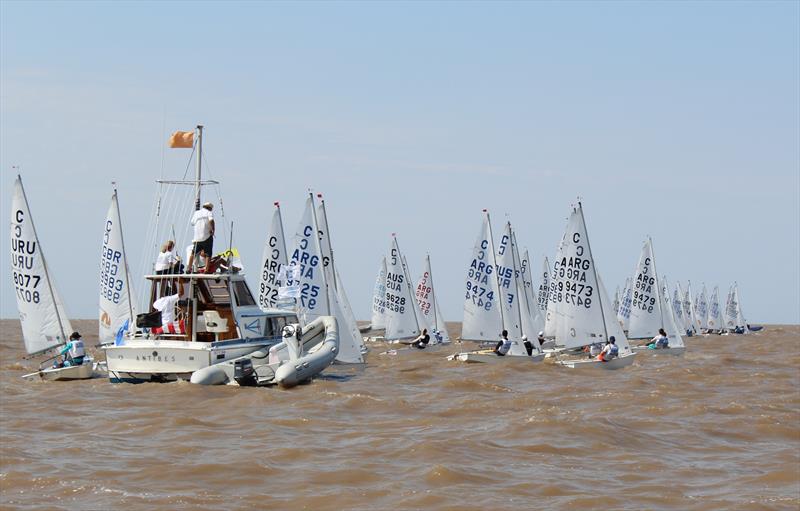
73 352
610 351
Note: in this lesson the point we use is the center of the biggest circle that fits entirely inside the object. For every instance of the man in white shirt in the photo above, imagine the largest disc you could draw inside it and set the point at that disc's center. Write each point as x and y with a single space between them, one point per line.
203 240
166 261
504 345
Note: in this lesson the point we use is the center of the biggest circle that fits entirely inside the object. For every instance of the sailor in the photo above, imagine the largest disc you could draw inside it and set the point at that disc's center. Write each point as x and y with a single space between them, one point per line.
527 344
610 351
166 304
594 350
503 345
167 260
660 341
422 341
203 240
73 352
541 338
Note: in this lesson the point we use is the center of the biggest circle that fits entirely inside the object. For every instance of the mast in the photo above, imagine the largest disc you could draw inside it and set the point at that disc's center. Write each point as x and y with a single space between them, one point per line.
198 177
319 248
283 236
44 263
328 234
494 262
411 293
594 269
514 255
658 286
433 290
125 259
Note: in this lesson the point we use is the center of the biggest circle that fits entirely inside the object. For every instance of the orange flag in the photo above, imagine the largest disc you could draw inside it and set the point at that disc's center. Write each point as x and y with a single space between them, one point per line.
182 139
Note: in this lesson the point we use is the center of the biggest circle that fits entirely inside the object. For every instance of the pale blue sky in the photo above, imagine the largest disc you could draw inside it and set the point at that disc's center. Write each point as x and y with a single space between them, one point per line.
677 120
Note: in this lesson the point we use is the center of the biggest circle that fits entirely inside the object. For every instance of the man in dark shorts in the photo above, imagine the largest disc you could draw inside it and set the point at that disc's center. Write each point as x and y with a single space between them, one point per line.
203 241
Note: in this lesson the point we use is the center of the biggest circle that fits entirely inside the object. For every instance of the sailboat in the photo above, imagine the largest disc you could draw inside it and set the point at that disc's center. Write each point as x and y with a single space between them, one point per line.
428 302
735 321
44 322
402 317
195 320
273 262
513 305
690 304
650 311
715 322
351 344
579 308
117 313
701 311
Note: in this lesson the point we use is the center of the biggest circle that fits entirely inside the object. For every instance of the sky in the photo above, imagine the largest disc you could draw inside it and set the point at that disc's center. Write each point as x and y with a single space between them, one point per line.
674 120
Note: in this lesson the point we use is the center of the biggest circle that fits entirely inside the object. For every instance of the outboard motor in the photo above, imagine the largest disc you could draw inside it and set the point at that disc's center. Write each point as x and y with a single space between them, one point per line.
243 373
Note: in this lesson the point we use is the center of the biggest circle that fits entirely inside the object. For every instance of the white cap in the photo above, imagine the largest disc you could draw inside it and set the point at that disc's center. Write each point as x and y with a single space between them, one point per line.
541 334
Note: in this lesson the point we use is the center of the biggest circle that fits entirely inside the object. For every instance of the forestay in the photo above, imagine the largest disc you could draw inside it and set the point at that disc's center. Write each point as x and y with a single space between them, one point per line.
401 313
41 312
117 299
273 259
379 298
647 314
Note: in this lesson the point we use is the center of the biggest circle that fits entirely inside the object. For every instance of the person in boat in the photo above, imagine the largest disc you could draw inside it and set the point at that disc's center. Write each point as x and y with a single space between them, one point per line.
594 350
660 341
503 345
738 330
422 341
167 261
203 240
528 345
73 353
541 339
166 305
610 351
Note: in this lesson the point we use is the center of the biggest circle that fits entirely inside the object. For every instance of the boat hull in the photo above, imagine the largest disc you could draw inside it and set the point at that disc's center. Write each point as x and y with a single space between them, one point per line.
617 363
676 351
81 372
148 360
489 357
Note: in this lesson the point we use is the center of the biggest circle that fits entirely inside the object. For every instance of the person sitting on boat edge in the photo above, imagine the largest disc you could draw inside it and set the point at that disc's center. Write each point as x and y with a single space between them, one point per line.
660 341
541 339
528 345
203 240
503 345
73 352
422 341
610 351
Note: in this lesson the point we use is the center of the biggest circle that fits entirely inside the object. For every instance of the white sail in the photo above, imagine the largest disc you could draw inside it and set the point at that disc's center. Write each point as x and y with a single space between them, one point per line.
671 325
531 321
507 282
586 315
482 320
41 313
740 322
117 298
715 321
647 314
428 305
624 312
556 288
544 285
701 309
379 298
313 301
401 310
689 301
677 307
351 344
273 259
730 310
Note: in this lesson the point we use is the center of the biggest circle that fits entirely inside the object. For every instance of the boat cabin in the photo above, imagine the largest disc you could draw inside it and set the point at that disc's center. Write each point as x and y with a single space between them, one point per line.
207 308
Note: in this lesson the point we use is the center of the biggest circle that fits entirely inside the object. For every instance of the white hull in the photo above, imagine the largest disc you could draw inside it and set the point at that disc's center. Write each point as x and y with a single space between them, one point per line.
661 351
141 360
616 363
81 372
489 357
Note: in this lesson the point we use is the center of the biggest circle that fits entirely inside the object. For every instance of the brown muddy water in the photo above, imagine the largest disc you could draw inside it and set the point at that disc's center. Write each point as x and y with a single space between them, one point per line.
716 429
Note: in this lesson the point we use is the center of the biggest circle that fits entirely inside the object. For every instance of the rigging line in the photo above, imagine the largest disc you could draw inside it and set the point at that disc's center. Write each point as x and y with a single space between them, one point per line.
189 161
